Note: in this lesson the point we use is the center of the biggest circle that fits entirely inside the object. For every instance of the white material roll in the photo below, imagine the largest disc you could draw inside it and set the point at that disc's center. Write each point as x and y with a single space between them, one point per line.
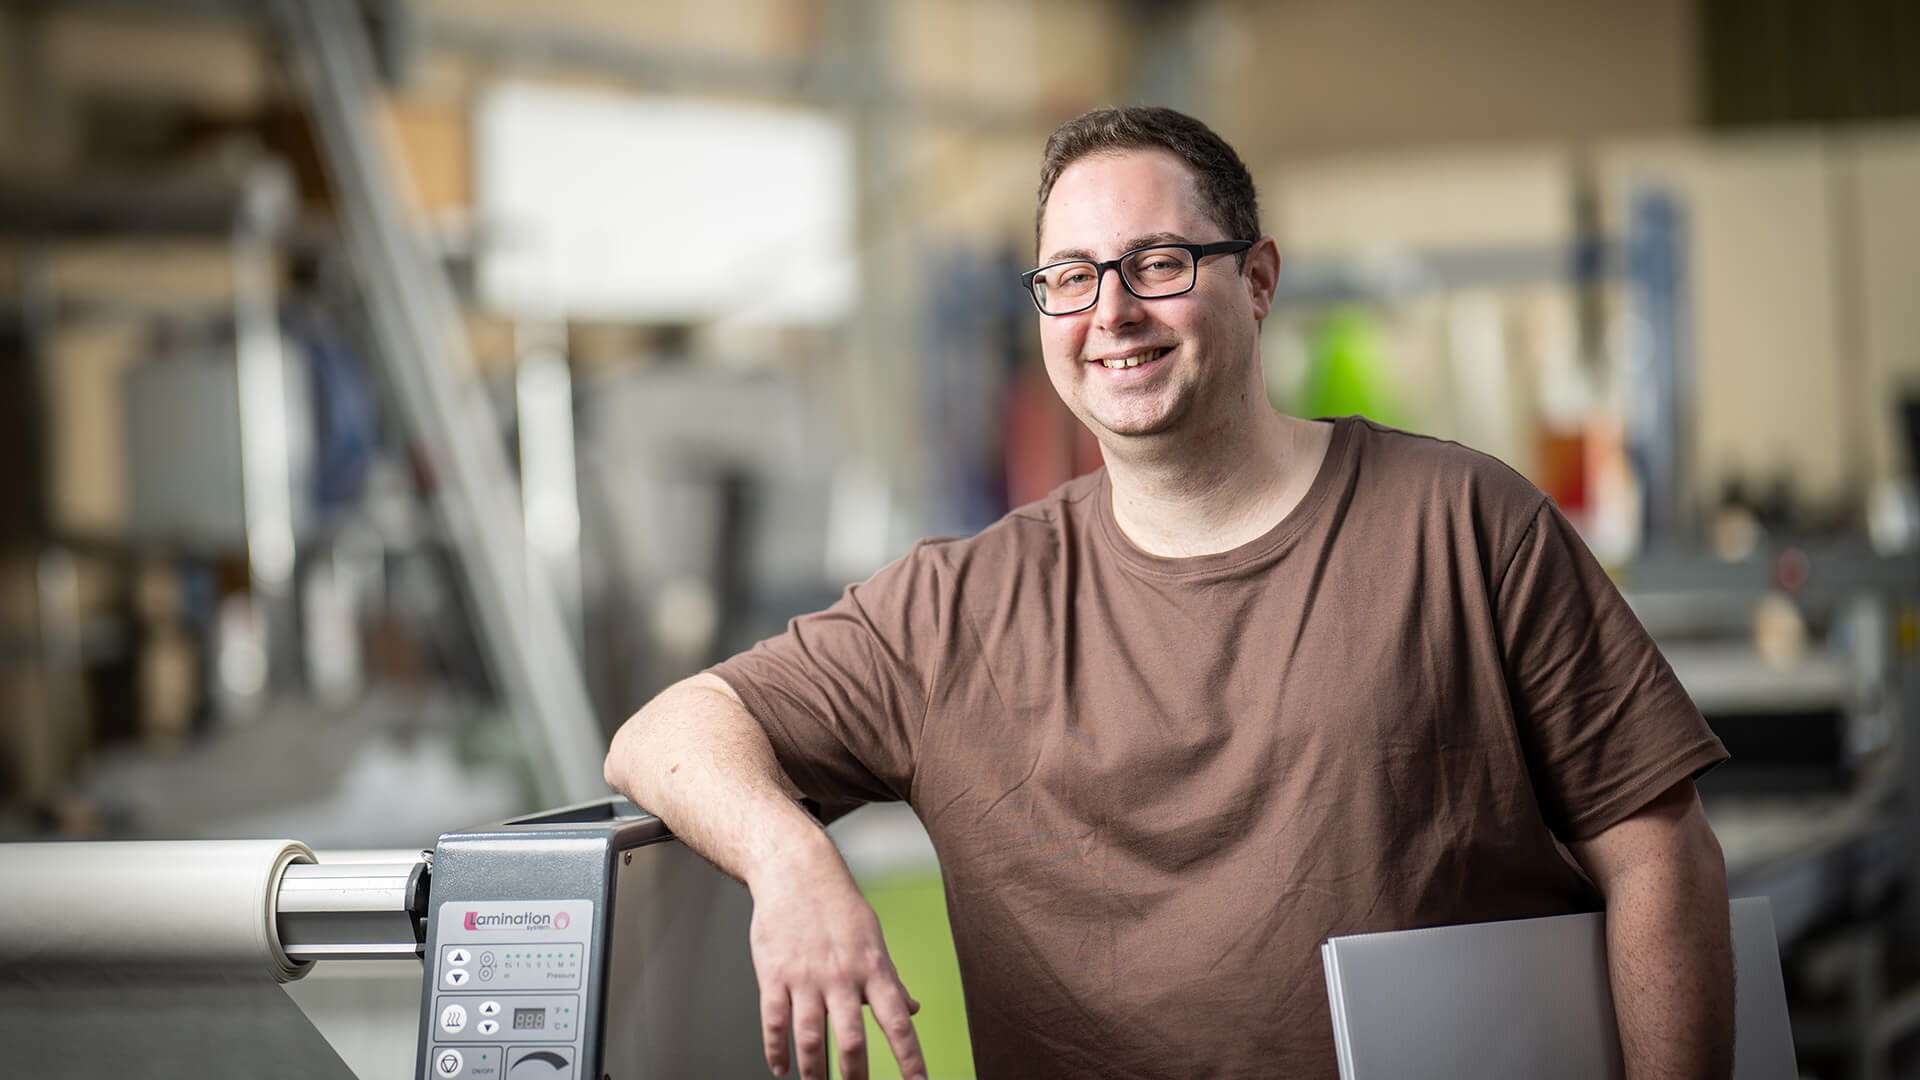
144 908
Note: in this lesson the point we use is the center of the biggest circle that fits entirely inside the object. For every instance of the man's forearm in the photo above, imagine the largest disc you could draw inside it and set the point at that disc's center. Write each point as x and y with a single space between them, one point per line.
1672 972
1669 951
696 758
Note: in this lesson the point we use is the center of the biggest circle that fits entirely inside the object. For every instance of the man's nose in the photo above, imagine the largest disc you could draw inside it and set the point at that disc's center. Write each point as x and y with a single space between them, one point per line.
1117 306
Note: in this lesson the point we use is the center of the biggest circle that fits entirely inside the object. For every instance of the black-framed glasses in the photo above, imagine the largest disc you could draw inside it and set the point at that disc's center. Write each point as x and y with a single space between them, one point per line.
1154 272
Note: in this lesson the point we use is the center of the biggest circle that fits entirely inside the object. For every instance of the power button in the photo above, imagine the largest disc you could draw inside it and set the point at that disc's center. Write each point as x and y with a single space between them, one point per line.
465 1063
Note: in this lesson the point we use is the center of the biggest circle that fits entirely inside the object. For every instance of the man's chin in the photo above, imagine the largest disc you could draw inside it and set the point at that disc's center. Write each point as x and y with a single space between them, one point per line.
1135 427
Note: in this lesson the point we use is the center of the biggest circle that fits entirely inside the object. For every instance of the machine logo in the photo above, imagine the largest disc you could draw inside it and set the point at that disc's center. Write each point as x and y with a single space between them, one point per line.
524 920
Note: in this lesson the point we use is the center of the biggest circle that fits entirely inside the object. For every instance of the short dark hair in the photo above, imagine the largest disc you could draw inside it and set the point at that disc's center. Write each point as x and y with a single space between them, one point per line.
1225 186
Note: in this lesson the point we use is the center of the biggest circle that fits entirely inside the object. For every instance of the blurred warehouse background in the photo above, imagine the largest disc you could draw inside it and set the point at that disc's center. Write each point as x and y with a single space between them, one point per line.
394 395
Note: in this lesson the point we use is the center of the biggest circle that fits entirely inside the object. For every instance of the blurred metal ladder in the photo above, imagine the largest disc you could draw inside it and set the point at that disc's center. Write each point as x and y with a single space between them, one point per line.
422 346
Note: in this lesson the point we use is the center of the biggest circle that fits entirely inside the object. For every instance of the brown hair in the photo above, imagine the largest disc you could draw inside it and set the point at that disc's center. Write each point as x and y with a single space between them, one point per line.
1225 187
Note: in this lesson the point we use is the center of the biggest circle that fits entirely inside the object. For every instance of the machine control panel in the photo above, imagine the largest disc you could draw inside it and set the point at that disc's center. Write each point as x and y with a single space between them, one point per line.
493 1062
508 985
513 965
546 1017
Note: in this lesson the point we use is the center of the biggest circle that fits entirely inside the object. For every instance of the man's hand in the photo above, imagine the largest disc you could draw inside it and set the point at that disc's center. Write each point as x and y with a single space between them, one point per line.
819 955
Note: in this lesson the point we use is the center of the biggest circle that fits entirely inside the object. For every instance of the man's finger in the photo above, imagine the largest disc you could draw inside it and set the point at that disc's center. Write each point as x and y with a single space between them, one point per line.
810 1035
893 1009
849 1033
773 1027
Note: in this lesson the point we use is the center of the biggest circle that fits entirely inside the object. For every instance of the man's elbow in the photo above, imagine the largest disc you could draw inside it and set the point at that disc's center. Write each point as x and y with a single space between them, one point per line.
1709 862
1666 844
609 771
699 694
1697 860
623 751
614 769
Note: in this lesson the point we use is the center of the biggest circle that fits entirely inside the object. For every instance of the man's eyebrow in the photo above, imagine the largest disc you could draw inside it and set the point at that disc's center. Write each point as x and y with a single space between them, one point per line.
1151 239
1145 240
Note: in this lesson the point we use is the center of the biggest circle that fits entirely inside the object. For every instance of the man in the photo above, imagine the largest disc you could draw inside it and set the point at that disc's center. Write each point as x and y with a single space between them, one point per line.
1256 682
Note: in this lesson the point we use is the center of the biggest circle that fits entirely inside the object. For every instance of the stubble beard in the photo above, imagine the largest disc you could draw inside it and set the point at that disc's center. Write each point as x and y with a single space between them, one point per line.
1120 421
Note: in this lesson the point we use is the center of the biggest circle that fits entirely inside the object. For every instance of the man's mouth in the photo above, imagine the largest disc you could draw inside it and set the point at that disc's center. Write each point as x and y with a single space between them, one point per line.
1116 363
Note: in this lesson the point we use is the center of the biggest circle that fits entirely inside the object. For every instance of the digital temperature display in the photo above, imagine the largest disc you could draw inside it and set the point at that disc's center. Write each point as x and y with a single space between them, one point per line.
529 1019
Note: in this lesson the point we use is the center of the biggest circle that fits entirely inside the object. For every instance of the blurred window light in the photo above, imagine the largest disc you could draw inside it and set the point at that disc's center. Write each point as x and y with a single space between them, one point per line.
614 206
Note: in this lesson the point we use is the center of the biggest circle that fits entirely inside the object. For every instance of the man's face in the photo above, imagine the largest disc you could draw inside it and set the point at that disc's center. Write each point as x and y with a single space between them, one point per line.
1197 350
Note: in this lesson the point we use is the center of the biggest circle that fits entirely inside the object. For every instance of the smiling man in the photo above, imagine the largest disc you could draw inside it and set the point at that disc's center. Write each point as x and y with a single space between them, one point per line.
1258 681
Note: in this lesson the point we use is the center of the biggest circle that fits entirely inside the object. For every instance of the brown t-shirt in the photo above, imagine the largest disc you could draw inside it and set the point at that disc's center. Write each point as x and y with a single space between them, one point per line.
1156 785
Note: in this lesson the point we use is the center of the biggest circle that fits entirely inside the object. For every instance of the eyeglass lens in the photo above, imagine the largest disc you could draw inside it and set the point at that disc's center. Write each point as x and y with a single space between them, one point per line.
1150 272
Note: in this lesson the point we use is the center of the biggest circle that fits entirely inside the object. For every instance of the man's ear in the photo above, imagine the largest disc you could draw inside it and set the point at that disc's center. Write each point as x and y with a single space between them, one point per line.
1263 274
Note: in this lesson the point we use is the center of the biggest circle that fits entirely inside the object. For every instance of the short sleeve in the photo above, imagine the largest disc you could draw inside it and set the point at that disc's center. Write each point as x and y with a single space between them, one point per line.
1605 724
842 694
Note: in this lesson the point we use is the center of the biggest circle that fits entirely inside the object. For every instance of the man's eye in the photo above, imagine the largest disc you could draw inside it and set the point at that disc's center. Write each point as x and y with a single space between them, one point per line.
1077 278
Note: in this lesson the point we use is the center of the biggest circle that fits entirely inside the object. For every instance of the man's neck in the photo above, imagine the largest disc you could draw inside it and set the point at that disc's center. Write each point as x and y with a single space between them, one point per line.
1213 493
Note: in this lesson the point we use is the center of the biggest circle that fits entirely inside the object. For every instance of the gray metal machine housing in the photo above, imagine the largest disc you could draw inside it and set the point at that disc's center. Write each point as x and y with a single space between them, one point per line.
584 944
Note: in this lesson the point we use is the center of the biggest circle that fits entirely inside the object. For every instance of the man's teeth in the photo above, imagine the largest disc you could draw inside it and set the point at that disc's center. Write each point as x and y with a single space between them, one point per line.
1114 363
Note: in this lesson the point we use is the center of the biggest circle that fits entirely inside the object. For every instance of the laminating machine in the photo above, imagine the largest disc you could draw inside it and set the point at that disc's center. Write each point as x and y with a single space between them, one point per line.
580 944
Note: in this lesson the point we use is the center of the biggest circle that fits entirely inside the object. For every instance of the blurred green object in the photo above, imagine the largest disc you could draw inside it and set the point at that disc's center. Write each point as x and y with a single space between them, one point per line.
1347 371
913 915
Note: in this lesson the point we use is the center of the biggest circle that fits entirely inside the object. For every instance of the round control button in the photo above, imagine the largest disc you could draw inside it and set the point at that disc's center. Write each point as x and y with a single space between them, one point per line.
457 977
488 1027
448 1063
486 959
453 1018
459 957
486 974
489 1008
